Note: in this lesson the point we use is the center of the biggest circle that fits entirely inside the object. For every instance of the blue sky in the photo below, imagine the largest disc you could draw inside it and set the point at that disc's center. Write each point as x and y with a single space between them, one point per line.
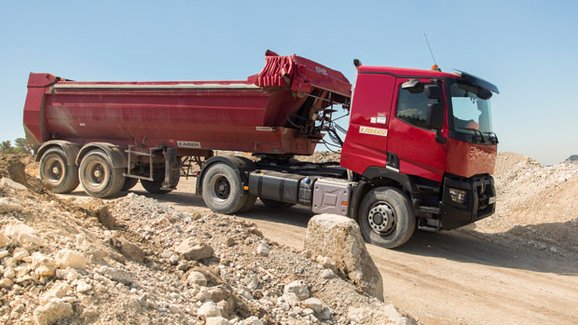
528 48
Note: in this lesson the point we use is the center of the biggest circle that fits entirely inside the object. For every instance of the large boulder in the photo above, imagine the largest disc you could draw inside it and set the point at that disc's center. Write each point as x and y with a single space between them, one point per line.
339 238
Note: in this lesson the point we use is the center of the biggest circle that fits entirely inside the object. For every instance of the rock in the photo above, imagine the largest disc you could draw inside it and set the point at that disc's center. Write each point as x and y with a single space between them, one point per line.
263 249
326 262
299 288
339 238
253 320
225 307
68 274
89 312
69 258
217 321
291 299
191 251
117 275
209 309
83 287
327 274
313 303
7 206
6 182
128 249
19 254
52 312
58 290
3 253
197 278
21 234
6 283
214 294
388 314
43 265
4 240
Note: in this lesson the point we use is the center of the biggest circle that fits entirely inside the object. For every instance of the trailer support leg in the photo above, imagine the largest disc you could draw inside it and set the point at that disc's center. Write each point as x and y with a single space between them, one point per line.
171 164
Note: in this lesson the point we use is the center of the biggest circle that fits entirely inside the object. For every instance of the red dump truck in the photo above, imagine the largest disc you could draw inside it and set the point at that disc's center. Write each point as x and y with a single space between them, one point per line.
419 151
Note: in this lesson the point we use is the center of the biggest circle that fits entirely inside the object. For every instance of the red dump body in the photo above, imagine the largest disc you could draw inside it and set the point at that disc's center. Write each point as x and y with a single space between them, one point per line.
249 115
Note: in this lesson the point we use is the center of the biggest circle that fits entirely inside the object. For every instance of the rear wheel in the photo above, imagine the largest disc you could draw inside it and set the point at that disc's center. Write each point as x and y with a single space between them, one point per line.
97 175
386 217
156 185
275 204
129 183
56 174
222 190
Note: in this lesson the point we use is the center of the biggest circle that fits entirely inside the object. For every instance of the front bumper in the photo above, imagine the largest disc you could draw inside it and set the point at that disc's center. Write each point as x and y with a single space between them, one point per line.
479 203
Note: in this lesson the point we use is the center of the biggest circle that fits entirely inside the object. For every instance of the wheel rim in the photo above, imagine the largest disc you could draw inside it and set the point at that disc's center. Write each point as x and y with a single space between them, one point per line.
53 170
221 187
96 175
382 218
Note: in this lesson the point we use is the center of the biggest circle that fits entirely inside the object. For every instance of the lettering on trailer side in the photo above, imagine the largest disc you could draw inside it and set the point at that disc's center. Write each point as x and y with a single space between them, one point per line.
189 144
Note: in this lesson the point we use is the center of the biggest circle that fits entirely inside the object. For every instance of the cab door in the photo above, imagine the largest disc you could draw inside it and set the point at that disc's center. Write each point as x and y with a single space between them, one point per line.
416 148
367 138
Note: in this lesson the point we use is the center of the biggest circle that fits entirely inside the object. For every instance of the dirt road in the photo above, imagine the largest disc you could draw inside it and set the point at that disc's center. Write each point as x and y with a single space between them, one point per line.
458 277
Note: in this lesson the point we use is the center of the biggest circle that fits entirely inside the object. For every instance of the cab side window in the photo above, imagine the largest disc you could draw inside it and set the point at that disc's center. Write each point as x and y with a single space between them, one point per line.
412 107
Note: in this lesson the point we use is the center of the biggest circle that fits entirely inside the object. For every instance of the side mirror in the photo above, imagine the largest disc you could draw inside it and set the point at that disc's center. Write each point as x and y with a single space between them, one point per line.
435 116
414 86
433 91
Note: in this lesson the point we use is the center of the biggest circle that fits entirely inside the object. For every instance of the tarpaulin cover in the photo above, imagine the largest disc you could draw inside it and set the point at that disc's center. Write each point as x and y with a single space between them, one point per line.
301 75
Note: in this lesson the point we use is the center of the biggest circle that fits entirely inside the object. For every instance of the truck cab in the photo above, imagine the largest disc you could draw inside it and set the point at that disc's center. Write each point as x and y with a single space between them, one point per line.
428 135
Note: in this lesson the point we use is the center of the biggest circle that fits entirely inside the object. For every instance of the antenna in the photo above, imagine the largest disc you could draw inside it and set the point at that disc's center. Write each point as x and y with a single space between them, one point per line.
435 66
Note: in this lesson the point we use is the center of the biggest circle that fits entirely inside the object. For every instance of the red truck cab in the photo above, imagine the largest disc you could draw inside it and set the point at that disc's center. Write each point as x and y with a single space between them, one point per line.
429 134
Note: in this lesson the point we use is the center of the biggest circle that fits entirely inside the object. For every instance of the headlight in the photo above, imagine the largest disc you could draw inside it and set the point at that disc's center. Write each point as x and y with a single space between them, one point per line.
458 196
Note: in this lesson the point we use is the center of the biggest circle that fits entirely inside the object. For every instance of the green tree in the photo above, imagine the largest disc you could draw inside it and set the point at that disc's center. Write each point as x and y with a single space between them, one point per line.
22 147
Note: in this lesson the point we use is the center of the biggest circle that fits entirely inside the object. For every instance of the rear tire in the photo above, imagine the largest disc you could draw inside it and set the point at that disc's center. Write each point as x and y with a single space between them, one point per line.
129 183
97 175
56 174
275 204
155 186
386 217
222 190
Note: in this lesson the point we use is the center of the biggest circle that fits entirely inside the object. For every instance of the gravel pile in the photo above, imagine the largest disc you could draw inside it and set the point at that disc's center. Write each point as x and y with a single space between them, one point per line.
535 203
135 260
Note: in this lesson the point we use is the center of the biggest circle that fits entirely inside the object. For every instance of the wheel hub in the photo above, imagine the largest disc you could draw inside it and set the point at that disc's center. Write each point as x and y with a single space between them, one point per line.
381 218
222 188
56 170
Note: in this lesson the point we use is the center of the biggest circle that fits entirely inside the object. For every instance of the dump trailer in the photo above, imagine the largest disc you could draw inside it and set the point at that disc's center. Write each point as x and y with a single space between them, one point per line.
419 151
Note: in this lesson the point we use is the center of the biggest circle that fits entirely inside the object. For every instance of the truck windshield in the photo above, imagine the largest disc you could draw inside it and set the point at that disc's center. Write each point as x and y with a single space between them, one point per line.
471 114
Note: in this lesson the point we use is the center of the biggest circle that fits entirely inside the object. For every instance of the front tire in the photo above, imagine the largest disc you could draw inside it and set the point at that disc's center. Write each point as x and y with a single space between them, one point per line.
97 175
56 174
386 217
222 190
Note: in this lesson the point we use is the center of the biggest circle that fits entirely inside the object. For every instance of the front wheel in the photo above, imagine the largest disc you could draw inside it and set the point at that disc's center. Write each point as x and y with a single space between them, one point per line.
386 217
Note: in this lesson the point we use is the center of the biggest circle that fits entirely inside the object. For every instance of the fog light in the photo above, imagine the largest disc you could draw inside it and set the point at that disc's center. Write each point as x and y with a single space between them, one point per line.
458 196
